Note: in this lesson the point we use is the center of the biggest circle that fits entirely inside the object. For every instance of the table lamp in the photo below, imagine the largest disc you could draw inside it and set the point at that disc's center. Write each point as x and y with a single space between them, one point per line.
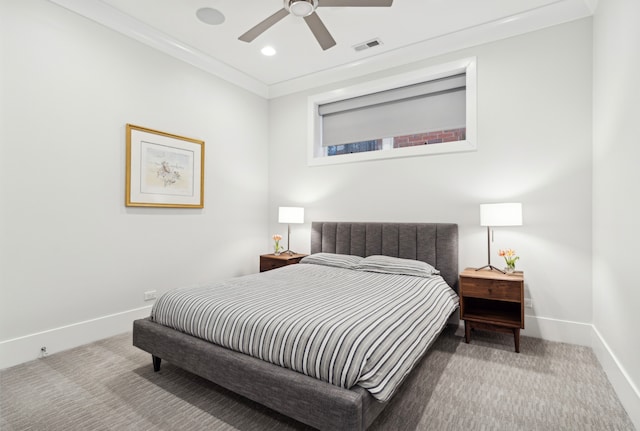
495 215
290 215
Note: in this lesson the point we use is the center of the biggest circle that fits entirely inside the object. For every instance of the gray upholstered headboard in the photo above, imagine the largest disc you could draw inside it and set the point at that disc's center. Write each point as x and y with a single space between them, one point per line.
434 243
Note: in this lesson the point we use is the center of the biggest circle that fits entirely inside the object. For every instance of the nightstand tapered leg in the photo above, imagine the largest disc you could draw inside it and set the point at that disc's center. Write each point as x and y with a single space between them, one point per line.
516 337
467 332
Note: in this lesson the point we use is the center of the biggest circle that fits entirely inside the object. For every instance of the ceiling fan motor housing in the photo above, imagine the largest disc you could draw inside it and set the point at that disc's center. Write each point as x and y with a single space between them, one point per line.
301 8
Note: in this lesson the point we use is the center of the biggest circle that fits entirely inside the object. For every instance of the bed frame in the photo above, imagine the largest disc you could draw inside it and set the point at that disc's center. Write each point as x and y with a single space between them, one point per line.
306 399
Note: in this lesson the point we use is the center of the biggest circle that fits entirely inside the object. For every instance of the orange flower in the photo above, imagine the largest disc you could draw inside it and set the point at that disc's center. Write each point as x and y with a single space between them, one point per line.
276 246
509 257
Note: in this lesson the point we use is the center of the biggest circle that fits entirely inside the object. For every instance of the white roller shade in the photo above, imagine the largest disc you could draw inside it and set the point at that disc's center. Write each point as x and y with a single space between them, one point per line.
428 106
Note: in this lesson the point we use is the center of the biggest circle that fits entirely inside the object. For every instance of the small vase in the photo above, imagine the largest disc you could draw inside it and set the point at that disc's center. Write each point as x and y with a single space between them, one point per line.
277 250
510 269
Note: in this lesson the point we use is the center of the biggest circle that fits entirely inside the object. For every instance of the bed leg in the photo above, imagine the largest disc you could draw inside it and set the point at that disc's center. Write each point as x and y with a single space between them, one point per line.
156 363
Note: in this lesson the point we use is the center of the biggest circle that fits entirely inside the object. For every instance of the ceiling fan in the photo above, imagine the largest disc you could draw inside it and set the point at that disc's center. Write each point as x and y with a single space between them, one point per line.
307 10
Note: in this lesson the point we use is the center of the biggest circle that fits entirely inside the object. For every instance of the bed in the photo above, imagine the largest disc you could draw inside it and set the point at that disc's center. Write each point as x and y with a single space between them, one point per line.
298 394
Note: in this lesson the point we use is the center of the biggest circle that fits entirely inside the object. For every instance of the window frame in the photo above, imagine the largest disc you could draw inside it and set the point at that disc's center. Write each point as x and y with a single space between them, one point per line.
315 149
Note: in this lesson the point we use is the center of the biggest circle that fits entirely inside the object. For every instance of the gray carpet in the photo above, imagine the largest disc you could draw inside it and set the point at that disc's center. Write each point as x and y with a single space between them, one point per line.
110 385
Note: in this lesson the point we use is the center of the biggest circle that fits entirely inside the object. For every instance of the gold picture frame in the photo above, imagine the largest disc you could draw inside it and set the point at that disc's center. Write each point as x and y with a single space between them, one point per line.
163 170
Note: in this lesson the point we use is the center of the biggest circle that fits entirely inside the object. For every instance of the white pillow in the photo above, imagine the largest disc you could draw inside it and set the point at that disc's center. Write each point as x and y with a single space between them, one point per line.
332 259
396 265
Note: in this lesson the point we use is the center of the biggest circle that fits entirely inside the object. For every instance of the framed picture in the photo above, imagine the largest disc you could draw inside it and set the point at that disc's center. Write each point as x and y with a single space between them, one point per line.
163 170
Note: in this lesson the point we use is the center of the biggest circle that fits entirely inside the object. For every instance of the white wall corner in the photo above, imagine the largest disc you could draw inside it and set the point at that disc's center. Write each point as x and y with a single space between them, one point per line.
628 393
23 349
592 5
586 334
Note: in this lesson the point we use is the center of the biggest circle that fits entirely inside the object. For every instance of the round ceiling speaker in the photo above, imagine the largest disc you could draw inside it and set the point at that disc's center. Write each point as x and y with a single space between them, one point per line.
210 16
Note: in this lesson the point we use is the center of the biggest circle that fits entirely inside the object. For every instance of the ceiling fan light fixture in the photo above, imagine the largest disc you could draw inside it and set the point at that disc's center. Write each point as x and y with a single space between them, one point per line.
301 8
306 9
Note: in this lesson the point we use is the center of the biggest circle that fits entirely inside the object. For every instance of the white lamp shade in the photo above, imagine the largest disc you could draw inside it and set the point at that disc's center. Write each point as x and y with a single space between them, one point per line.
509 214
290 215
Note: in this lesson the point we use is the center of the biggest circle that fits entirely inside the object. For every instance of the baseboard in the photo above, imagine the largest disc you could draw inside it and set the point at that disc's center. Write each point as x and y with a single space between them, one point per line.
562 331
628 393
27 348
585 334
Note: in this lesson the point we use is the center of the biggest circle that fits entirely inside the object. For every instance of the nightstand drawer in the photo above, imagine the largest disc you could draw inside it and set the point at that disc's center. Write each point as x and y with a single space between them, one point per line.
268 265
273 261
490 289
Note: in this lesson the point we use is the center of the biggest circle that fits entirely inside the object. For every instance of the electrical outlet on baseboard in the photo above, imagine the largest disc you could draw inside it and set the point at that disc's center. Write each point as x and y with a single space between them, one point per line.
527 303
150 295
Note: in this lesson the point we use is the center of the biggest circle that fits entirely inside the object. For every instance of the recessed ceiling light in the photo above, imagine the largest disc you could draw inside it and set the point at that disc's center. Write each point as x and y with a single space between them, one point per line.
210 16
268 51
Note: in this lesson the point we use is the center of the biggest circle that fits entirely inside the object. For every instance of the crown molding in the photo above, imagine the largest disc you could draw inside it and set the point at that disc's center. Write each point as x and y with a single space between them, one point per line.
558 12
554 13
112 18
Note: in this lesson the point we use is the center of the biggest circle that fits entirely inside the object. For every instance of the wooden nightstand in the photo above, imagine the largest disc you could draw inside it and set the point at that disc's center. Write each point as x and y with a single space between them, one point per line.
271 261
492 301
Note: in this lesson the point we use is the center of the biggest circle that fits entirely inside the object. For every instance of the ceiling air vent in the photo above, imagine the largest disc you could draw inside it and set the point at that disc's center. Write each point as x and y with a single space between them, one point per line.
366 45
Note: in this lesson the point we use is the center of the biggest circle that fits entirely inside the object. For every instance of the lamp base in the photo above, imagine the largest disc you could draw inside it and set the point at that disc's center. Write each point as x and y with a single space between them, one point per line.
290 252
491 268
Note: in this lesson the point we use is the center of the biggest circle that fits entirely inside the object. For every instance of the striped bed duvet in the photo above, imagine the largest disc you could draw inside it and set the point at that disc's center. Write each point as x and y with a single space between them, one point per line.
344 326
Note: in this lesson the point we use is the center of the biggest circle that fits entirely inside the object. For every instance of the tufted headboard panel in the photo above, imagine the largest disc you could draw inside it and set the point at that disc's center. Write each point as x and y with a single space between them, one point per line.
434 243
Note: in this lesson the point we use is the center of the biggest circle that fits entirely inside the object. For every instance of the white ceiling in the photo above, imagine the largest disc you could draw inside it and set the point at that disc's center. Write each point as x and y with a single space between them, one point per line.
409 30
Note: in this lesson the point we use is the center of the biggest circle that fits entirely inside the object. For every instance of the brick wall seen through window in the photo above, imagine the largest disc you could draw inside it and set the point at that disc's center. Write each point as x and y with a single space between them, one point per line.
437 137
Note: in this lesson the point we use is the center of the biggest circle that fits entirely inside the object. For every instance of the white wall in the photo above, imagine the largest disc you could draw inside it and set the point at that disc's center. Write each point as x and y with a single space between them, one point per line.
71 251
616 202
534 146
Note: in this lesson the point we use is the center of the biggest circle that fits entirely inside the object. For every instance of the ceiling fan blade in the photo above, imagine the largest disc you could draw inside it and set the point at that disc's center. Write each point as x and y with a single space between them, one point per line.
256 31
355 3
318 29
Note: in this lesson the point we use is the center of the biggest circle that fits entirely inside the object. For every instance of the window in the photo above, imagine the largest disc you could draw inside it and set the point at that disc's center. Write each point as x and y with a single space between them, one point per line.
429 111
354 147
